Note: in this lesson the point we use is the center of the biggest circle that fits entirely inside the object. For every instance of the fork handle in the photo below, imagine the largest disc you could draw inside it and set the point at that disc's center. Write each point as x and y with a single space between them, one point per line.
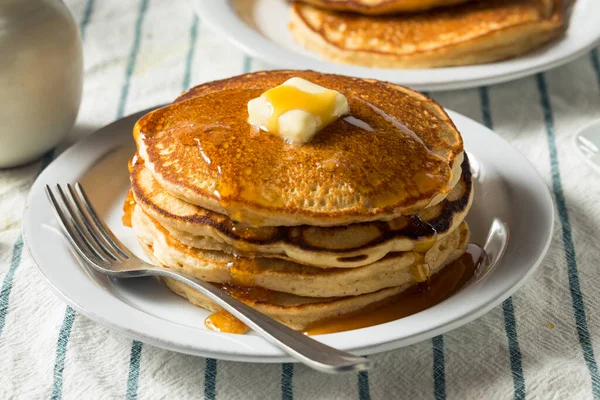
302 347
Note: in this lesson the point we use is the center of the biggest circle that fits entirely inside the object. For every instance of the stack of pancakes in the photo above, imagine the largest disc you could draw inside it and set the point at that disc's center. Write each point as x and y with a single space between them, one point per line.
425 33
372 205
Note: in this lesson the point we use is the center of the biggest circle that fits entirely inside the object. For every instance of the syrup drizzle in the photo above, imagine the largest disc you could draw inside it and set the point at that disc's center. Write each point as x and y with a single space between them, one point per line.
129 203
223 321
429 291
128 207
418 298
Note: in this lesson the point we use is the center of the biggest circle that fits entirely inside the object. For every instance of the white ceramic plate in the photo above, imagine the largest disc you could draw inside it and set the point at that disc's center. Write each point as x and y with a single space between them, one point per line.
508 187
259 27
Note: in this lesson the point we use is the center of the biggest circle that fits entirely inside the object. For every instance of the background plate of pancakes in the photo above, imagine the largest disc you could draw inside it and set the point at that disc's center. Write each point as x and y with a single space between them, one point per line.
448 46
504 183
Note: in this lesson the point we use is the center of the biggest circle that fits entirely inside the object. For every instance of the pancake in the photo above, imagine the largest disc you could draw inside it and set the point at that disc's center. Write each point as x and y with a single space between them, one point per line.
380 7
472 33
340 247
296 312
396 154
396 269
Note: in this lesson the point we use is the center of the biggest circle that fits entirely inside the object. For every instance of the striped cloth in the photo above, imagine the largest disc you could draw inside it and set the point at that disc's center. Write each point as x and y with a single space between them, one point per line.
541 343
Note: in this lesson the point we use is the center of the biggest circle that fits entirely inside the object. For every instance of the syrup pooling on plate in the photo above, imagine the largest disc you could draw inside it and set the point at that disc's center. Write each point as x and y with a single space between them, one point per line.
379 161
223 321
415 299
428 291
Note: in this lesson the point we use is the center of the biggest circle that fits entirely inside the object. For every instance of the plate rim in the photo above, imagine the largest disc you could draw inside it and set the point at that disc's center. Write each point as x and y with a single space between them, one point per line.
277 356
222 18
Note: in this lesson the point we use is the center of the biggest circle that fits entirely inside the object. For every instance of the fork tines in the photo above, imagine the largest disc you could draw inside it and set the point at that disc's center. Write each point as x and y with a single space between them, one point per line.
88 234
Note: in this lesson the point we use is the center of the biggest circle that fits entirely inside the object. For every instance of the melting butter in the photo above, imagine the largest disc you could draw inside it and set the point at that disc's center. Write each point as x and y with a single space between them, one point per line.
297 109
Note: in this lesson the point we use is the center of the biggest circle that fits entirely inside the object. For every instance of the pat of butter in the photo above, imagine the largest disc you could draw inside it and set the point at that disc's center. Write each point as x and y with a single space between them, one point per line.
297 109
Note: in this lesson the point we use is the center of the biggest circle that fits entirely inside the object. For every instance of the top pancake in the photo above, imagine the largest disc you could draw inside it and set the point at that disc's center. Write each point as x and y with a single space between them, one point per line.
397 154
471 33
380 7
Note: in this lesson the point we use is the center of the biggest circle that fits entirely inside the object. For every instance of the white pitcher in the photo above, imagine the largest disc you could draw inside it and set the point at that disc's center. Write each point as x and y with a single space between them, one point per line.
41 70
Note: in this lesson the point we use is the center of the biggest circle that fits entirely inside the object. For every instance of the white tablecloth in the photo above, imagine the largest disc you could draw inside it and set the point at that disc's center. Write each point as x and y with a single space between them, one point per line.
542 343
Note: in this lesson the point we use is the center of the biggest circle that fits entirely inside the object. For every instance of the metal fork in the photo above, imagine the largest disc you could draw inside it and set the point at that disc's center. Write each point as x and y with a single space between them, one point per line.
101 249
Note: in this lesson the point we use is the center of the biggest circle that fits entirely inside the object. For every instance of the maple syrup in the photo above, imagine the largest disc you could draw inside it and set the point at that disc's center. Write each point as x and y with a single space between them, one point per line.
249 294
418 298
224 321
128 207
243 271
413 300
420 269
129 203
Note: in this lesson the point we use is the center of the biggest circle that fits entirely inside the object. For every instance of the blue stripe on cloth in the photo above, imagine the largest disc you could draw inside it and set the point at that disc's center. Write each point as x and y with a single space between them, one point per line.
15 261
247 66
287 384
190 55
573 275
516 364
364 391
136 346
61 353
596 64
87 15
510 322
132 58
134 370
210 379
439 373
484 100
